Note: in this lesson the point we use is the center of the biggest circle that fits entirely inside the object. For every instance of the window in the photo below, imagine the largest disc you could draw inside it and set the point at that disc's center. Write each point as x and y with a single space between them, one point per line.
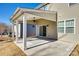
44 8
69 29
61 26
61 29
70 26
66 26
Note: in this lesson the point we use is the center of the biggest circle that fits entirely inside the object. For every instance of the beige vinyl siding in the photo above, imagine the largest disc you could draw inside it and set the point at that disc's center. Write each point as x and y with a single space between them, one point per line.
51 29
64 12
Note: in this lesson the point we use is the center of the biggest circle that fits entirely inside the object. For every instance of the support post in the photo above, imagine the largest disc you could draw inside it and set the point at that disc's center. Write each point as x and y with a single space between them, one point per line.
37 29
24 33
16 31
13 31
19 30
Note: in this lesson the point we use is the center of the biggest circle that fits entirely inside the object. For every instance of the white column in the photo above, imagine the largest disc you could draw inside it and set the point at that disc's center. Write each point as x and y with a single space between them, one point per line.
19 30
16 31
13 31
37 30
24 33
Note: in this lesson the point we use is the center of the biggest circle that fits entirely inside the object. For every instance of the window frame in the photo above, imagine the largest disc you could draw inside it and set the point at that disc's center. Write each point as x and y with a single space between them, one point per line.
60 26
44 8
68 26
74 26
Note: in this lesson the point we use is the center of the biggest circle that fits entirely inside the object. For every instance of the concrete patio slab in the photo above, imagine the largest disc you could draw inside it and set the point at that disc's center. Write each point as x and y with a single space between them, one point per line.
34 42
58 48
40 47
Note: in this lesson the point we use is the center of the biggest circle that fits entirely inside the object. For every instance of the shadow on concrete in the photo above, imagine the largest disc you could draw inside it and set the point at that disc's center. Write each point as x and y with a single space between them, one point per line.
42 38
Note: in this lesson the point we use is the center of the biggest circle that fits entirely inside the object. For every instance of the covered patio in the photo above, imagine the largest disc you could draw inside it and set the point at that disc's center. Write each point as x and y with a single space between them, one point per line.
34 27
35 32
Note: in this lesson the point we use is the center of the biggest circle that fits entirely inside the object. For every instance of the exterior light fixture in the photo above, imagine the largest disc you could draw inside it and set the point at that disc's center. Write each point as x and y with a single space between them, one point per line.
47 25
34 19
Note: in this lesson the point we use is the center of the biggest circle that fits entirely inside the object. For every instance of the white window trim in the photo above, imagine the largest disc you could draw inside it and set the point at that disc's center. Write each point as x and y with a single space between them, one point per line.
46 30
65 25
74 24
60 26
61 21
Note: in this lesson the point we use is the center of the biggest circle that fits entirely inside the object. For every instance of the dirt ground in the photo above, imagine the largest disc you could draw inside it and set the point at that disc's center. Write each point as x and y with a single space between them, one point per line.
5 38
8 48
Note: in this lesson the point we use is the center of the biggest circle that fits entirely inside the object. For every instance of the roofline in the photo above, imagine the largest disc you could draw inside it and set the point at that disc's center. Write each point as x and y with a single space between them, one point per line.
14 14
41 5
18 9
22 12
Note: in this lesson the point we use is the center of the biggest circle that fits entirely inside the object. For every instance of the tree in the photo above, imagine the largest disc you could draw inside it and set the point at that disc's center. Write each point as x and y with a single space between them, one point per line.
3 27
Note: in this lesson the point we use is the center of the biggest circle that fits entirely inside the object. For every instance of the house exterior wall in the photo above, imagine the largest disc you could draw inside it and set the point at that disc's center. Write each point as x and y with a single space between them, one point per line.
51 29
31 30
65 12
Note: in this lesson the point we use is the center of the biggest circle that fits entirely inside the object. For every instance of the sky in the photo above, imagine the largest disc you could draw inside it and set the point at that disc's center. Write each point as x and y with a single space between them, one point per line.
7 9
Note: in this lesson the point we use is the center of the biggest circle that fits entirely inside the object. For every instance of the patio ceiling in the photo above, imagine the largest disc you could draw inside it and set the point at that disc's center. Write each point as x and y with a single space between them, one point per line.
30 13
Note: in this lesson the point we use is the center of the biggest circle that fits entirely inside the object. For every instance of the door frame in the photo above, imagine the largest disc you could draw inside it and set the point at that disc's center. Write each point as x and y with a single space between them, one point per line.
39 30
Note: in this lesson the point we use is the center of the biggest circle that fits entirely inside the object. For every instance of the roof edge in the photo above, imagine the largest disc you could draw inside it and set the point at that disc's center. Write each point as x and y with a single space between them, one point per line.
16 11
41 5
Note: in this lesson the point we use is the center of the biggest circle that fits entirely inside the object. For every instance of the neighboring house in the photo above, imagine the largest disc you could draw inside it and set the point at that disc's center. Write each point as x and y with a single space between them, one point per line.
57 20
